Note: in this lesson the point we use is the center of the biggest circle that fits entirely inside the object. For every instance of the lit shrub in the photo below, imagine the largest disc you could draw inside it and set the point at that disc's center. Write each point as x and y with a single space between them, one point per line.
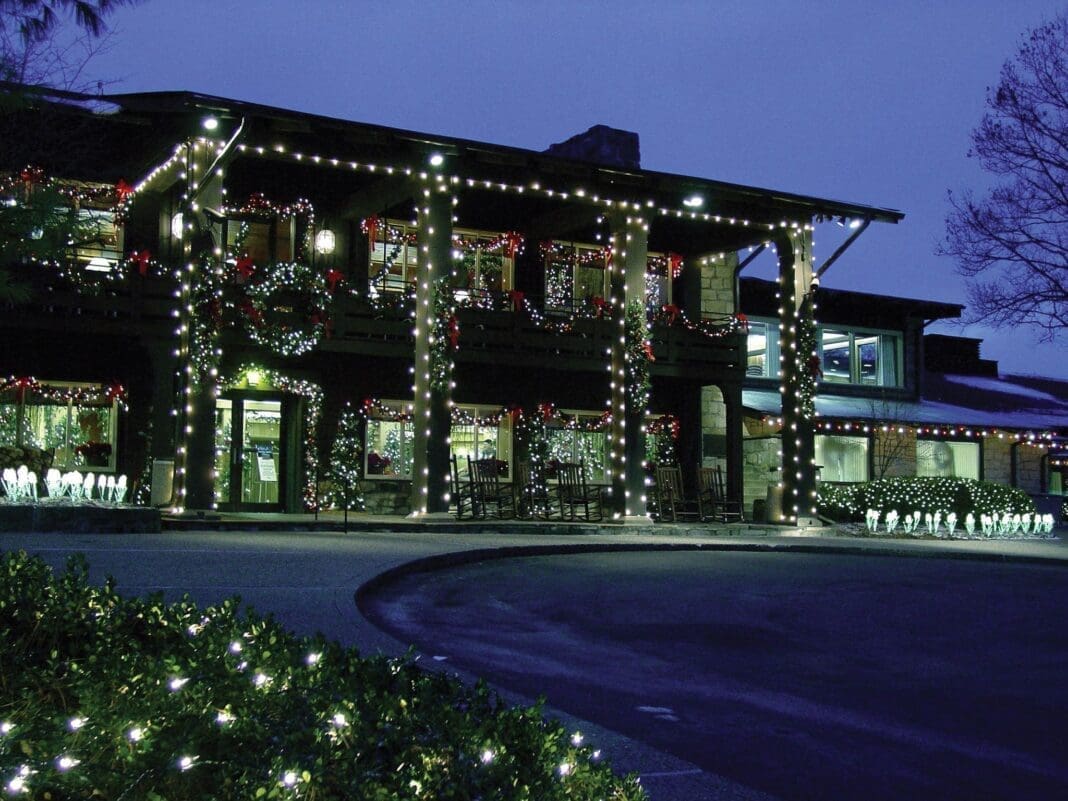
106 697
840 502
960 496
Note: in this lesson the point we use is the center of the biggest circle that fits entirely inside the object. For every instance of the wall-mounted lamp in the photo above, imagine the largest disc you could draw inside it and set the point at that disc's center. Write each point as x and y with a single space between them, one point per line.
693 202
325 242
178 225
436 159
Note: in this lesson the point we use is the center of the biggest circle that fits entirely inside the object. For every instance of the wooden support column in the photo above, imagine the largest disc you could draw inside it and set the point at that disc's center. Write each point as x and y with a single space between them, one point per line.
798 377
432 401
732 400
630 246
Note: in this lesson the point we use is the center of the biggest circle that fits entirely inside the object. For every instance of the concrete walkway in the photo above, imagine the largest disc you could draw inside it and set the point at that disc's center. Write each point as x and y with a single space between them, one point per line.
307 579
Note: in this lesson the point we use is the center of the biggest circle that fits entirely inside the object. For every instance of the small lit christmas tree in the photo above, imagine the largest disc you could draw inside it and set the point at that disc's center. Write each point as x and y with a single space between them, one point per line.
345 455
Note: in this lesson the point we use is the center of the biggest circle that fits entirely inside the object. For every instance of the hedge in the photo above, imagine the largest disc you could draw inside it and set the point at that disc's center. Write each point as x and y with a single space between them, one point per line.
107 697
849 502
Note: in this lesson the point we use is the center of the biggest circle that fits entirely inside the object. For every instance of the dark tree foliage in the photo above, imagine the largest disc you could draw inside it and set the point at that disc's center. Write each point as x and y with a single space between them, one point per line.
1012 244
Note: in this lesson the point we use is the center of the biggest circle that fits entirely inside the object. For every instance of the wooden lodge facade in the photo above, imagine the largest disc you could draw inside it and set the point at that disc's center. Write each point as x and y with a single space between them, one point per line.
255 272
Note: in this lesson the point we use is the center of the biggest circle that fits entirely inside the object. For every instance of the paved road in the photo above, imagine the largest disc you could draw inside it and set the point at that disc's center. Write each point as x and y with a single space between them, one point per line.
802 675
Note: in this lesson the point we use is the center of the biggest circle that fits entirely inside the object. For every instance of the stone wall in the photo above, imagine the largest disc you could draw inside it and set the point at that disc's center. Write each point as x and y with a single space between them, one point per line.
717 285
385 497
761 459
713 427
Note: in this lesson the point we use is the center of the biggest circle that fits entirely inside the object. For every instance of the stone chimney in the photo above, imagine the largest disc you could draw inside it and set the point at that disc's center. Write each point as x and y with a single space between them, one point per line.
601 145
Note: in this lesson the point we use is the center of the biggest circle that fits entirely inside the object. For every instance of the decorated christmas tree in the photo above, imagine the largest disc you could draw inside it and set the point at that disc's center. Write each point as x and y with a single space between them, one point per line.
345 455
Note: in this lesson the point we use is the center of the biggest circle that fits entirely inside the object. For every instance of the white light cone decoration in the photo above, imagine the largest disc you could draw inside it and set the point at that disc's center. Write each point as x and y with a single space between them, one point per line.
951 523
109 491
30 487
87 486
120 489
891 521
54 482
969 524
9 481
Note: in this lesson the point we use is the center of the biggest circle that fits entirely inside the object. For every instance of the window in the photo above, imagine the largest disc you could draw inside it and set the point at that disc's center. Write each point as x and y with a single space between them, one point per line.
394 258
763 350
481 264
660 269
854 357
842 458
575 277
477 435
388 451
935 457
576 443
101 249
76 420
264 241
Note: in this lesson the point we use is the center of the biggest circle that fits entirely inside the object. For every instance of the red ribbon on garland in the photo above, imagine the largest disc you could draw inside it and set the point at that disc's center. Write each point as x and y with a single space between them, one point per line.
332 278
547 411
672 312
674 264
599 303
123 190
515 413
245 267
743 321
141 258
454 332
115 391
21 385
372 230
512 243
517 300
608 256
647 349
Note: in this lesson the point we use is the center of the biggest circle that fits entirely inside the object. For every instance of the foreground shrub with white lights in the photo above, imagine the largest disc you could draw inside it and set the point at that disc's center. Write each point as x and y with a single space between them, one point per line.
106 697
959 496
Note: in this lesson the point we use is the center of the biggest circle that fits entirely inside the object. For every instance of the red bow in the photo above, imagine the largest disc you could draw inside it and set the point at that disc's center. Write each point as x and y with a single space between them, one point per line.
245 267
546 410
141 258
31 175
743 321
21 385
517 300
674 264
515 413
647 348
248 308
672 312
372 229
512 243
454 332
598 303
332 278
123 190
115 392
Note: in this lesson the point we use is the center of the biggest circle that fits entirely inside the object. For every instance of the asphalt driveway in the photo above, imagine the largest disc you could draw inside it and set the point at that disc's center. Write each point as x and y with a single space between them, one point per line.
802 675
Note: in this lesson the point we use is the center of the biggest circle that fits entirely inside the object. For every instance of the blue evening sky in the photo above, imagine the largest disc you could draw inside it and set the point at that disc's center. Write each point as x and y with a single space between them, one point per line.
870 102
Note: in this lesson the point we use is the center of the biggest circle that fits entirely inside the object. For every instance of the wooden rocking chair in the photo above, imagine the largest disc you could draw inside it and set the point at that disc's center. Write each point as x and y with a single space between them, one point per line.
575 493
672 503
489 491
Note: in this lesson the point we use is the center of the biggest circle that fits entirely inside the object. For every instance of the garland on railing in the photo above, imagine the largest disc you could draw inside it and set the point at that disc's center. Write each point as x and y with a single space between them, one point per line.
258 206
374 409
508 244
313 396
21 385
637 355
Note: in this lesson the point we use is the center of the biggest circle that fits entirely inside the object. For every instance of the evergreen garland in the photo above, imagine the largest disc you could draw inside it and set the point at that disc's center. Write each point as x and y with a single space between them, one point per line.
444 337
205 321
807 370
637 355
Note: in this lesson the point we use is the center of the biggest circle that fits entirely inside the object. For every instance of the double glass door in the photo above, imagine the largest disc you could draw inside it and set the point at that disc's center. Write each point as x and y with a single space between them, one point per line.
250 454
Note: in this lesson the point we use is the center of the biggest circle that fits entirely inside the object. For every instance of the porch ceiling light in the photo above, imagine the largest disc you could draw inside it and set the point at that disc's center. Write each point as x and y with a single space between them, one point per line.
693 202
436 159
210 123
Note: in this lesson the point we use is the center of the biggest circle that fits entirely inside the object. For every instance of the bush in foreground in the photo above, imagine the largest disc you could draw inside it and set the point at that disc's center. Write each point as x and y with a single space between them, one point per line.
107 697
908 494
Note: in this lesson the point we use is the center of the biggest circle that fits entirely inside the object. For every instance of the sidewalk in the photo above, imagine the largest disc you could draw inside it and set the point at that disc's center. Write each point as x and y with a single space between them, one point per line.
308 580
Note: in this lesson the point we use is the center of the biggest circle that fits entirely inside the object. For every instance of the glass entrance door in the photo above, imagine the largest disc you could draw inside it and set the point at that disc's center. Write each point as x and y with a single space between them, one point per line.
249 457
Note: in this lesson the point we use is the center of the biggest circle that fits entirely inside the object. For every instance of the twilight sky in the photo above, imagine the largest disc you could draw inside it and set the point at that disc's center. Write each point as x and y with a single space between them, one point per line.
869 102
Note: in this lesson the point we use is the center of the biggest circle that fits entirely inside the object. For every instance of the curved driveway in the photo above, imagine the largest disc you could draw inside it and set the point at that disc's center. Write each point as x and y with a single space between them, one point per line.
801 675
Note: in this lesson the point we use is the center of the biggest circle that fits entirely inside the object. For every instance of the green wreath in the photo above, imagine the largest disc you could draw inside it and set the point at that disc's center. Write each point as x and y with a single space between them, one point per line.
309 303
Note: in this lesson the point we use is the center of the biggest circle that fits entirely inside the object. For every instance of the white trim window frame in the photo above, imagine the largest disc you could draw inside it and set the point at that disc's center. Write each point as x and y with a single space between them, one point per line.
860 356
389 444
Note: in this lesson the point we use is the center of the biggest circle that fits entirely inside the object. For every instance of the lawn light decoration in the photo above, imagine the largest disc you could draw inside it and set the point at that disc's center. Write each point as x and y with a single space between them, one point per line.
1003 525
21 486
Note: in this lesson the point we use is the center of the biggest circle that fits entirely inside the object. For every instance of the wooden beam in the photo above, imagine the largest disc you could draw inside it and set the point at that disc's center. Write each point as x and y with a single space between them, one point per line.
381 195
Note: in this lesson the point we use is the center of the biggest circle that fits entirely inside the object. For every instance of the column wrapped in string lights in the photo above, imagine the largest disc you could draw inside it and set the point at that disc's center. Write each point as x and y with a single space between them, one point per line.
800 368
437 336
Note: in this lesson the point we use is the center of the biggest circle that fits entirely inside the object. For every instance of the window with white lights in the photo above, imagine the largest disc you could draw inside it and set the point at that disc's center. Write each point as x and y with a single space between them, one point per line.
576 278
842 458
857 357
76 421
580 437
480 432
938 457
660 269
482 264
394 257
762 357
388 450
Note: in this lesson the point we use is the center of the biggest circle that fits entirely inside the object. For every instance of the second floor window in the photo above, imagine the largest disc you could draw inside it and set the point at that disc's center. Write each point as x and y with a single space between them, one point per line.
762 359
262 241
575 277
854 357
101 249
394 257
481 264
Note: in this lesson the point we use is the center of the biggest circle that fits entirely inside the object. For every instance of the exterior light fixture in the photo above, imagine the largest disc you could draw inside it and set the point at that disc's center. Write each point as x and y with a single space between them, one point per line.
325 242
210 123
855 223
436 160
693 202
177 225
253 377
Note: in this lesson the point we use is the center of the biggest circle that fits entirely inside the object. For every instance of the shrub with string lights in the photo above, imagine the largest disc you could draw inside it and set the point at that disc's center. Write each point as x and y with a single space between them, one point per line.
114 698
925 494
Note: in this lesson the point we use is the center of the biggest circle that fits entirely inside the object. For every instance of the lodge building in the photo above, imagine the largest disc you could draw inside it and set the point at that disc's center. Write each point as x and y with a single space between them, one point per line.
255 272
